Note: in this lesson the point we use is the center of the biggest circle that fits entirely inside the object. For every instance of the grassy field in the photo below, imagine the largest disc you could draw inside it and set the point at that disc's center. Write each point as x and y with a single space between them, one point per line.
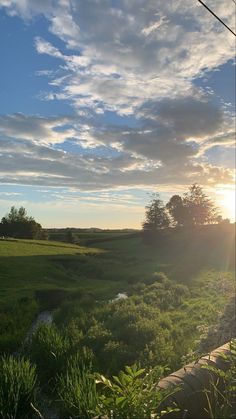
28 265
112 266
39 275
88 237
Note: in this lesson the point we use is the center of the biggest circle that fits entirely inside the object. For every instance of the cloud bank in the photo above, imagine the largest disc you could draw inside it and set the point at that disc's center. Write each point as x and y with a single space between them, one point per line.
137 60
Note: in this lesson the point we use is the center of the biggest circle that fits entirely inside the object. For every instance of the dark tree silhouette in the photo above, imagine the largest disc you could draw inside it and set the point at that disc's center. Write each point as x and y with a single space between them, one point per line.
70 237
200 208
178 211
156 215
18 224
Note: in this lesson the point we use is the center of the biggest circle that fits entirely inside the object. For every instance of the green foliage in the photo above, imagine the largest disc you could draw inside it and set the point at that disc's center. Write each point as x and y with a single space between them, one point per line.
178 211
30 265
132 394
152 326
18 224
15 321
76 389
195 208
17 388
200 207
221 399
223 330
160 321
51 298
48 349
70 236
156 215
123 332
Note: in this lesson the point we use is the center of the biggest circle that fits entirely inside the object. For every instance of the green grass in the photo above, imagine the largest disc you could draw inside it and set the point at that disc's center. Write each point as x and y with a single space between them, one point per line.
55 271
112 266
17 247
90 237
28 265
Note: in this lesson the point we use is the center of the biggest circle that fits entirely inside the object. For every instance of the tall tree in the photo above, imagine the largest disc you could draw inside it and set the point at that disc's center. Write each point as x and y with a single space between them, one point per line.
156 216
178 211
200 208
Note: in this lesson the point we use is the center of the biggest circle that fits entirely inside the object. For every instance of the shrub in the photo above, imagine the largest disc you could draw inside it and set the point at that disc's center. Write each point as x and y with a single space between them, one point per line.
132 394
17 388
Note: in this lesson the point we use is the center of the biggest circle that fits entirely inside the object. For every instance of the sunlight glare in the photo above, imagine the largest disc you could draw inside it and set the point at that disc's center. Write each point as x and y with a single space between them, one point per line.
227 203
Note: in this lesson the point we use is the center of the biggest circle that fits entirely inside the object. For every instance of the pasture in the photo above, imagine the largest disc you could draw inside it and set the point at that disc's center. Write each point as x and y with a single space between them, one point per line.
42 275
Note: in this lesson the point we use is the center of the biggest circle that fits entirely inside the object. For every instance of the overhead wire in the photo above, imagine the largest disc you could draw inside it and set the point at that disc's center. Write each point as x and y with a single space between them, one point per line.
217 17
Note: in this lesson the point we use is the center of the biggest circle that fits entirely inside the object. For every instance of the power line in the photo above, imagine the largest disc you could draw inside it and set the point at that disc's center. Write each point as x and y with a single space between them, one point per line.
221 21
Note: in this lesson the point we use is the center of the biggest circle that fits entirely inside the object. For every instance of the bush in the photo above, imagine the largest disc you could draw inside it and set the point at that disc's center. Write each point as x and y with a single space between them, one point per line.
17 388
132 394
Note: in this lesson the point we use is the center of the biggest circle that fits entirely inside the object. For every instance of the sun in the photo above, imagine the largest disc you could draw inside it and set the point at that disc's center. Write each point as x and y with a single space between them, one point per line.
226 201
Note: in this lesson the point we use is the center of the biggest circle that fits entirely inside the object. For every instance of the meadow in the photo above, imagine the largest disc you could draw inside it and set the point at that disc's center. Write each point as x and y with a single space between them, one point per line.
44 274
179 288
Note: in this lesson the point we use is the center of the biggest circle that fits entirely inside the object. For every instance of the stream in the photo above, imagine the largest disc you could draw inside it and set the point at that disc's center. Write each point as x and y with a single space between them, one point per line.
120 296
45 317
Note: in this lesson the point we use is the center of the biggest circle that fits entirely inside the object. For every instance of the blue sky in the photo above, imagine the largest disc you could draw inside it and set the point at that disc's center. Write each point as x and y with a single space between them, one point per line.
104 102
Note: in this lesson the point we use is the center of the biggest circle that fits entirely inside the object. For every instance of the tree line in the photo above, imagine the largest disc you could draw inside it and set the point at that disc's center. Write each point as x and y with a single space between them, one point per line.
19 225
194 208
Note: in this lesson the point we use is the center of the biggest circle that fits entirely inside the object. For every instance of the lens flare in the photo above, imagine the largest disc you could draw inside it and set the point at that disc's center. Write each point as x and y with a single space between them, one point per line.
227 203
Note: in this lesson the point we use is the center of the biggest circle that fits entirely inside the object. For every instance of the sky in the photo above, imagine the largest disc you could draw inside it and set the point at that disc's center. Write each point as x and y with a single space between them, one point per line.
105 101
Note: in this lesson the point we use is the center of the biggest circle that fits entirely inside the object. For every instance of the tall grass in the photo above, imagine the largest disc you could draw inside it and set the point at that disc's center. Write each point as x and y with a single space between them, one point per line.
76 389
48 349
221 397
17 388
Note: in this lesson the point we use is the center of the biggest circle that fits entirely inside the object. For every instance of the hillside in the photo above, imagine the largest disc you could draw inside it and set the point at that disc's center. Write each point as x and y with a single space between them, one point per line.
39 275
119 259
27 265
179 304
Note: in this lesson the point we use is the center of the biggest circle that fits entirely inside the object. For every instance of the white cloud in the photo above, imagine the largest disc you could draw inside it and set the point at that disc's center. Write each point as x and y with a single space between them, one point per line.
39 129
132 57
44 47
26 162
28 8
155 47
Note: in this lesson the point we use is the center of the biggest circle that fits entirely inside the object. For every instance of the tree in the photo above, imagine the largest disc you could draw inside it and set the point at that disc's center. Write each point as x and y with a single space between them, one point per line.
70 237
200 208
18 224
156 215
177 210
